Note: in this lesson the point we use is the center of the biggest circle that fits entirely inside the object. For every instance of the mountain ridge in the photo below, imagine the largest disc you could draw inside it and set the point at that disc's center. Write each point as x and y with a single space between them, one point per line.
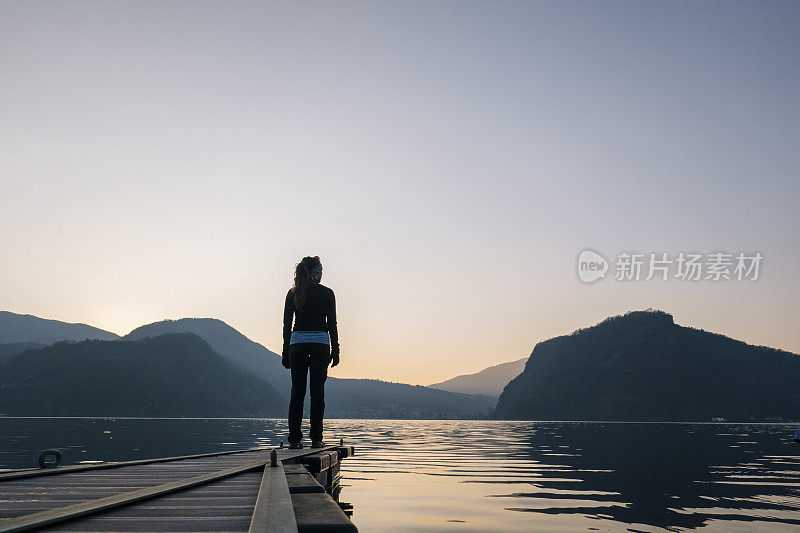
490 381
16 328
175 374
345 397
7 351
641 366
225 340
352 398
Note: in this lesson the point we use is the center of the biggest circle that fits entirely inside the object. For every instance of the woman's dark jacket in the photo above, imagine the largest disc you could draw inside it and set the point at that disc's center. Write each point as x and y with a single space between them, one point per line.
317 314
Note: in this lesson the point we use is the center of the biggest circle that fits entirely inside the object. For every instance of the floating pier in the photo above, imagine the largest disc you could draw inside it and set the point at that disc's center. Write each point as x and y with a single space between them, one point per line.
257 490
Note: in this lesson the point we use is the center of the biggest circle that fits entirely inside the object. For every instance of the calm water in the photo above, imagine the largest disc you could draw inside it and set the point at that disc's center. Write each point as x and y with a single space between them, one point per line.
493 476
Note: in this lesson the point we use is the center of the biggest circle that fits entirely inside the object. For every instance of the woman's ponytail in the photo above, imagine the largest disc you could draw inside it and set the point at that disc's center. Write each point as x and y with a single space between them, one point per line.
302 279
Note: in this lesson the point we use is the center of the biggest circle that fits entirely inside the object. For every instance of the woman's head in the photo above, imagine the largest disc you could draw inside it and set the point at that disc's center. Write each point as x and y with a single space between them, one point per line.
307 271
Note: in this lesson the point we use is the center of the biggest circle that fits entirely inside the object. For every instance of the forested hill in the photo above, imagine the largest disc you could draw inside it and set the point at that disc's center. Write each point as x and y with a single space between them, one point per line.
643 367
7 351
194 367
169 375
344 398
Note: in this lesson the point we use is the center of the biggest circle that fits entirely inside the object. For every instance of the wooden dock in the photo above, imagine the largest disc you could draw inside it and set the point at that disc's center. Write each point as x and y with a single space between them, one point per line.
243 490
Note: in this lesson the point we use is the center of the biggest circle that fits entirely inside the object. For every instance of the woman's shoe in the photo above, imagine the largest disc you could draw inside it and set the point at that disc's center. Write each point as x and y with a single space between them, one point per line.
317 444
295 445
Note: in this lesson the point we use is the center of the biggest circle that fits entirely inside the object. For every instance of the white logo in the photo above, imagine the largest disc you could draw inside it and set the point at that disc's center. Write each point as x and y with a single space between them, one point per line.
688 266
591 266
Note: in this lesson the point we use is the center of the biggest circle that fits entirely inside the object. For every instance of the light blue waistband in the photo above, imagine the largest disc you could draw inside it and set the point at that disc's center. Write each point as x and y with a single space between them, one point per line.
310 336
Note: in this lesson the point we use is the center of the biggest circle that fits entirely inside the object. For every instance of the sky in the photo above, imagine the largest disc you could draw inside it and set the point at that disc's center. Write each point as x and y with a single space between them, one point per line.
448 161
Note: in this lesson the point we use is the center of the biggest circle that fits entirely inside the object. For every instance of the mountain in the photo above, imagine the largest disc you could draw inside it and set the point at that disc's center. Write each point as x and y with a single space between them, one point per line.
228 342
643 367
344 398
16 328
169 375
372 398
489 381
11 349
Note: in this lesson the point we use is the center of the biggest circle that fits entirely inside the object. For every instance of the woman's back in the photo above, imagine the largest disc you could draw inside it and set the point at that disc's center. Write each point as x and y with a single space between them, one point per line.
317 311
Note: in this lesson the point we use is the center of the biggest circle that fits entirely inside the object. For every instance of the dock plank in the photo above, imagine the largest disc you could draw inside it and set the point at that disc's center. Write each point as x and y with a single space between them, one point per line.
39 472
158 526
230 491
273 512
319 513
51 516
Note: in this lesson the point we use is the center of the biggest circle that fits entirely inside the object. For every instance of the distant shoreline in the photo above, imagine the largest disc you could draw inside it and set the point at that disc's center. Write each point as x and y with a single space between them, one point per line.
774 423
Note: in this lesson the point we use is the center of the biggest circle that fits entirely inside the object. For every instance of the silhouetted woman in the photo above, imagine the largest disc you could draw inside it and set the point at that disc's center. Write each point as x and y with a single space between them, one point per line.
309 347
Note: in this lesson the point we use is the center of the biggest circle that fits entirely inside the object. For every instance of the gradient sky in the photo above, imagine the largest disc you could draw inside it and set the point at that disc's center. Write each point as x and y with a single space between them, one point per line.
446 160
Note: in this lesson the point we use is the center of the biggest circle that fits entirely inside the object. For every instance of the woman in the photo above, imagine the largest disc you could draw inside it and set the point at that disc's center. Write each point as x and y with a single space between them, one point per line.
309 347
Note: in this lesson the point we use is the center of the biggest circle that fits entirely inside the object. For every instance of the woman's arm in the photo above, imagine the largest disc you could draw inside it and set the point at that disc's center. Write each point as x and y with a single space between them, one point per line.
333 331
288 311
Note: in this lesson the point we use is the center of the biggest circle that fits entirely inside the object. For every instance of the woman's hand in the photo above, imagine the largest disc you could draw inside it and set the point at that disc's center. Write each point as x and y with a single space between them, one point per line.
334 357
285 361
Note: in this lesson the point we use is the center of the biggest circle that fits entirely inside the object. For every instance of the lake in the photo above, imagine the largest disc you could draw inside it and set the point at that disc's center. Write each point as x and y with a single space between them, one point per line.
491 476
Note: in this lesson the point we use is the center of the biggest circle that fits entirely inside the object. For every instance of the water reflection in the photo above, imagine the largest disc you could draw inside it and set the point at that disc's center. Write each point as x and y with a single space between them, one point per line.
85 440
669 475
471 476
625 477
